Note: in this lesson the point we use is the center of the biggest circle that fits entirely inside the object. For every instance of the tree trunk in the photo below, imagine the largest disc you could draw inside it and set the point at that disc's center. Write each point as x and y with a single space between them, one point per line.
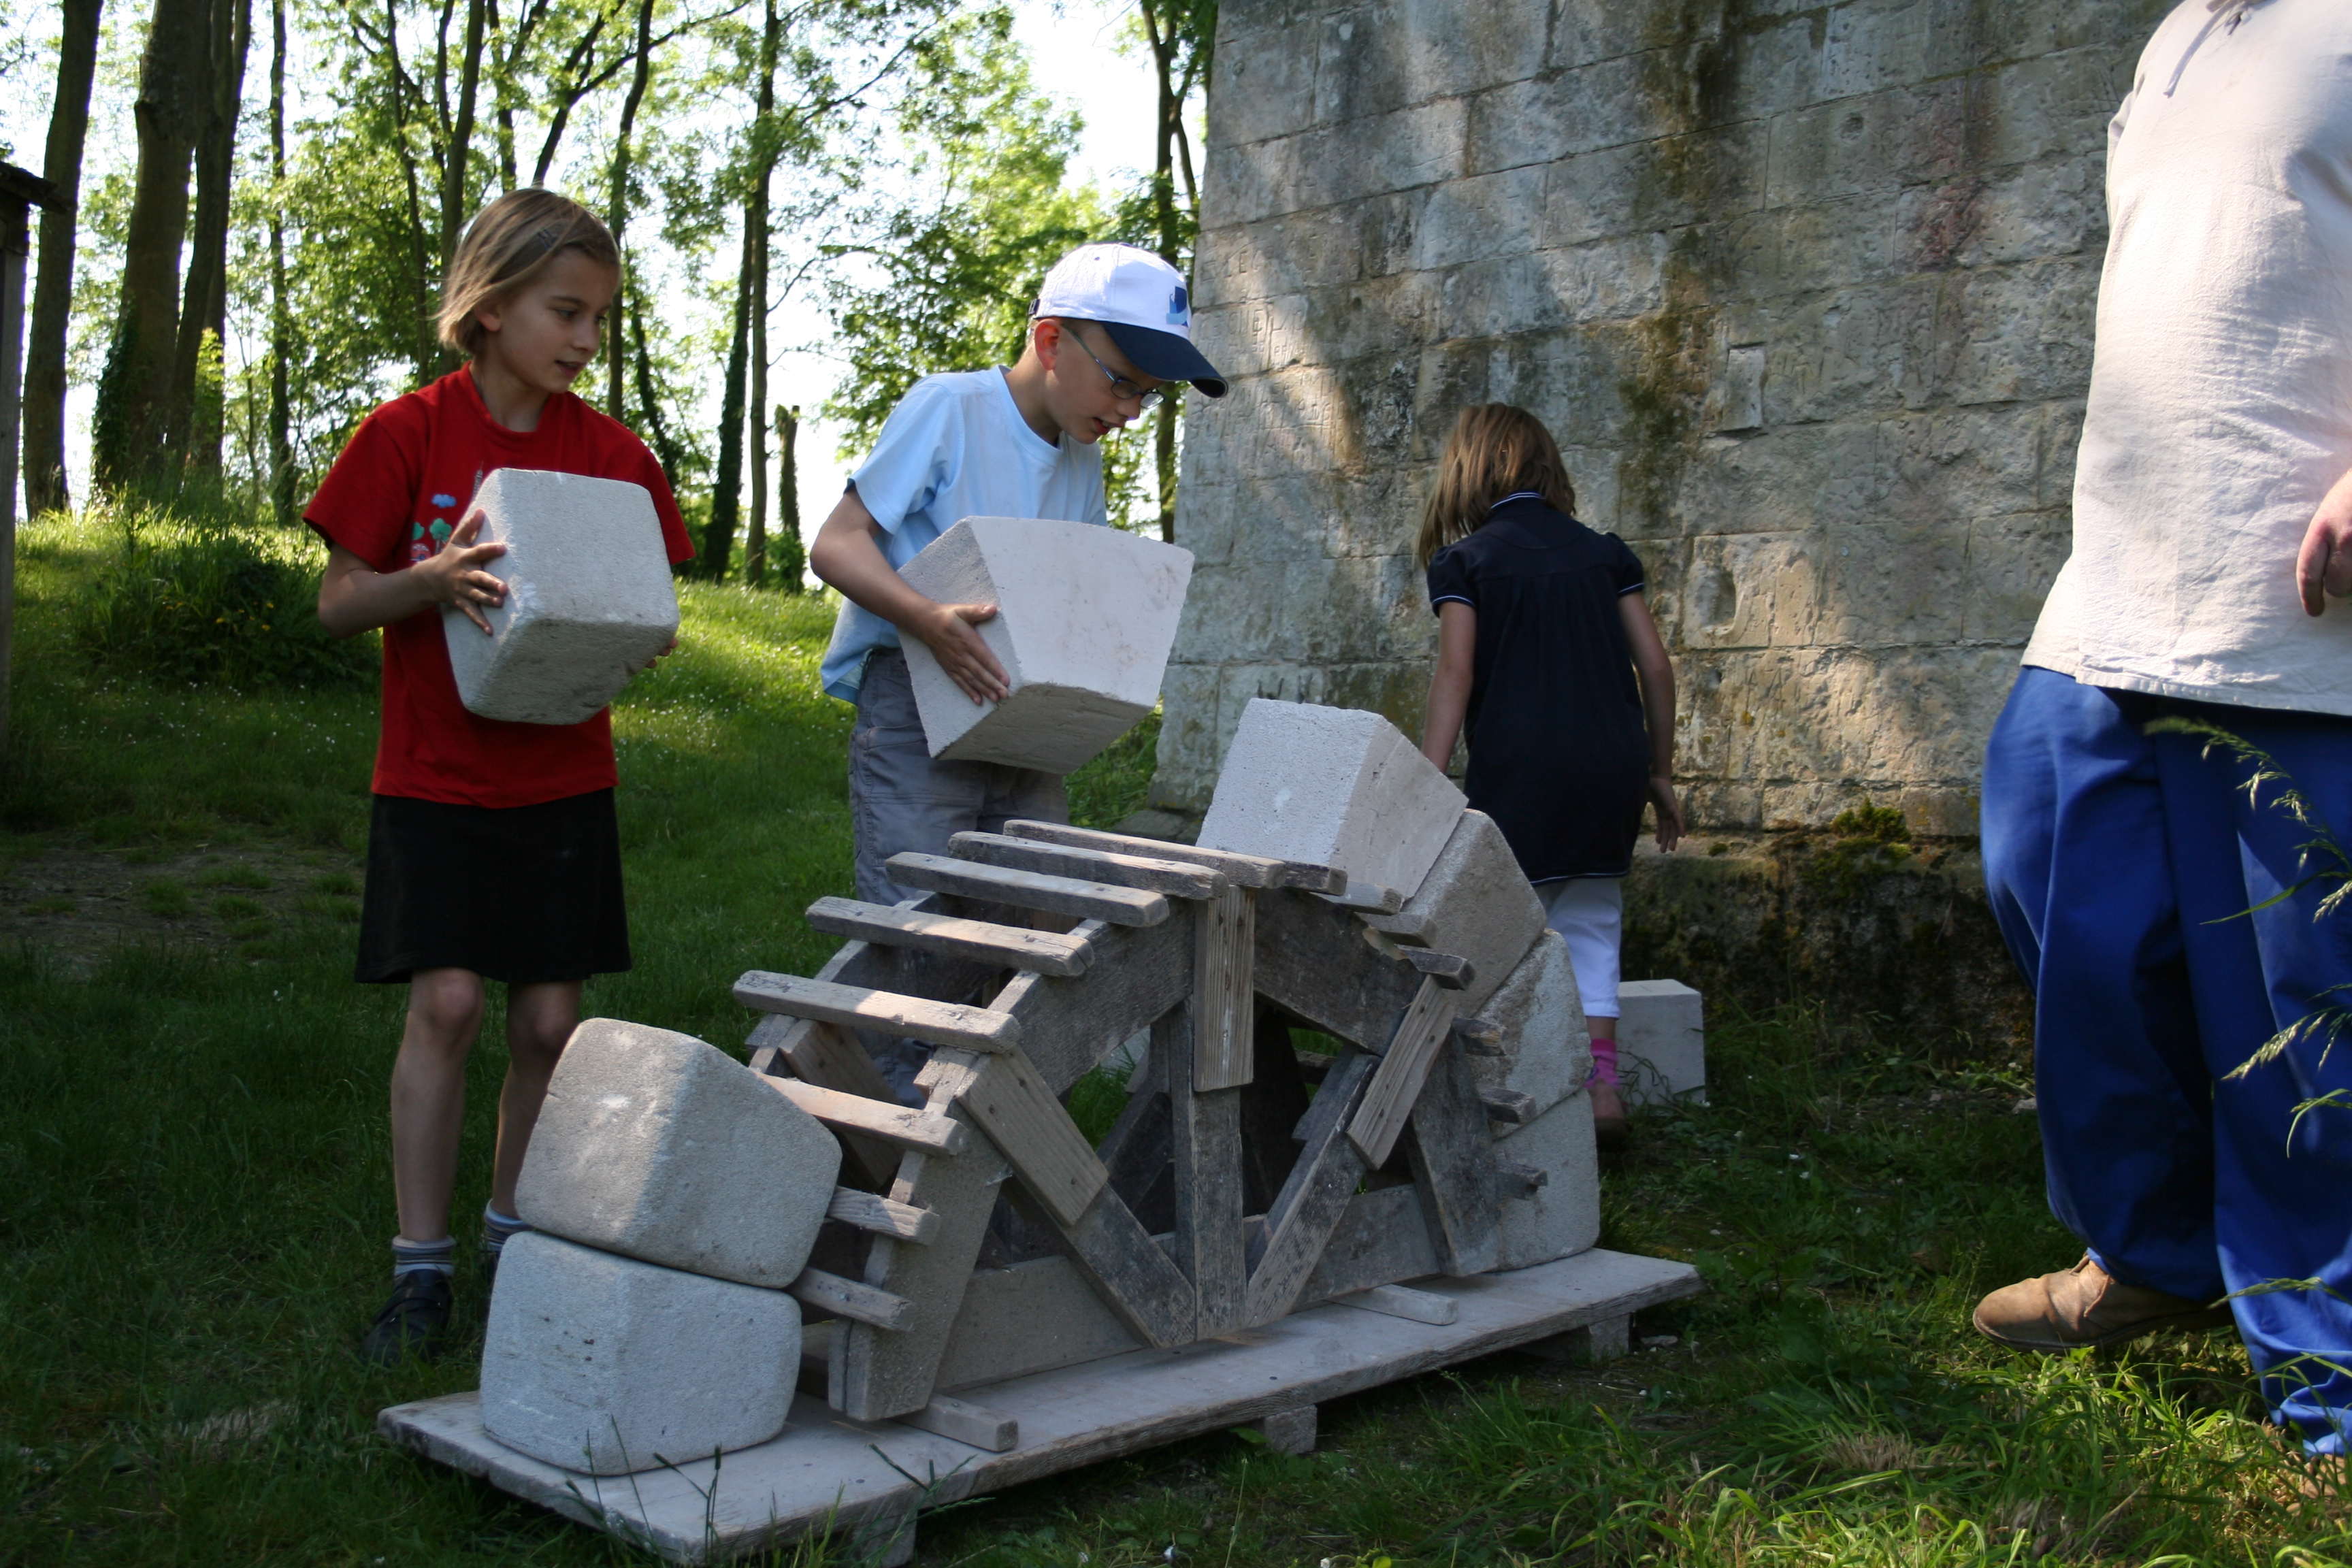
727 481
194 427
1164 444
424 352
135 393
792 555
1161 27
461 141
281 313
44 354
619 218
655 429
755 270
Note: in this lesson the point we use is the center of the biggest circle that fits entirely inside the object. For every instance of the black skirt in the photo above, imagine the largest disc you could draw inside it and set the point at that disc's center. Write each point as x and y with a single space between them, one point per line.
524 894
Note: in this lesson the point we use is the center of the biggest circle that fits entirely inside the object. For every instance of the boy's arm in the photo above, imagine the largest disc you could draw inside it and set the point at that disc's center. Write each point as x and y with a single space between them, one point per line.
1449 683
845 555
354 596
1657 674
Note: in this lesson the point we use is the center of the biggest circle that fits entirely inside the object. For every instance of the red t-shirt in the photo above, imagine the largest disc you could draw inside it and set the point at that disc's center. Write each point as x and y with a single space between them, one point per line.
400 489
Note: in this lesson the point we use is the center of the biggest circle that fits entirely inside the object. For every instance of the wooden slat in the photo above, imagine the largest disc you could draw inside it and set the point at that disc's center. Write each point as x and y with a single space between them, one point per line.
1032 1316
981 1427
1451 1152
1388 1101
1397 1301
1315 1197
1241 870
1323 964
1205 1142
913 972
1479 1037
1068 1025
1009 947
1225 989
920 1130
1135 1279
849 1298
868 1211
1029 890
1512 1180
1021 1116
877 1375
1173 878
1448 969
853 1006
1383 1238
1508 1106
833 1058
1370 898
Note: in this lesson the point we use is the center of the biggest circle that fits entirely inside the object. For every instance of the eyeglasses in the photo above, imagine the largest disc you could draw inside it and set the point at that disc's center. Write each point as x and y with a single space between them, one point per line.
1148 398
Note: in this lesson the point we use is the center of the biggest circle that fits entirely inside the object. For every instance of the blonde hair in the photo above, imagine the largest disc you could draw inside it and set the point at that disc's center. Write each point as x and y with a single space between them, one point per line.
1494 449
509 243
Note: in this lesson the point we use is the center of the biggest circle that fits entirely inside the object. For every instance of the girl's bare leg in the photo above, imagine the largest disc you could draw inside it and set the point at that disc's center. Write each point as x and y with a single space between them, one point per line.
428 1097
539 1020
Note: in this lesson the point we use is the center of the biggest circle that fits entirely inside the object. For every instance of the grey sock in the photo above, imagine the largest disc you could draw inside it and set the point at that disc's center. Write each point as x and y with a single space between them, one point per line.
497 1229
424 1256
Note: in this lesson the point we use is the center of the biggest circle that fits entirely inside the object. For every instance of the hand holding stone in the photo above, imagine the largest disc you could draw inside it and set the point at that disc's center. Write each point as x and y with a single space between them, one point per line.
948 634
450 577
2323 570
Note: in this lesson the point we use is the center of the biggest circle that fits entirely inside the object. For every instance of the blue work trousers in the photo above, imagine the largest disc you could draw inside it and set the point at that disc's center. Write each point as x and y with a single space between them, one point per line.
2120 866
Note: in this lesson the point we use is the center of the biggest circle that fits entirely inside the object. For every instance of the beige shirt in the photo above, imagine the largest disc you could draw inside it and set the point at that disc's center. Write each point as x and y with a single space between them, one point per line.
2221 404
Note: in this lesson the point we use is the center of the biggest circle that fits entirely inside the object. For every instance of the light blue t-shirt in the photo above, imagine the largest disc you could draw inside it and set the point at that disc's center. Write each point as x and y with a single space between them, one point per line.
956 447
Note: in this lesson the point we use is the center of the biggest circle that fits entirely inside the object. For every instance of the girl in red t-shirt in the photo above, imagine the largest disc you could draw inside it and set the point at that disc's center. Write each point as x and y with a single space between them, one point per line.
493 853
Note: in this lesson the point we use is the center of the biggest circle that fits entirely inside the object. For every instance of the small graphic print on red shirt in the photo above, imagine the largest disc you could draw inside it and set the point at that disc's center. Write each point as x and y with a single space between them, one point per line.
394 496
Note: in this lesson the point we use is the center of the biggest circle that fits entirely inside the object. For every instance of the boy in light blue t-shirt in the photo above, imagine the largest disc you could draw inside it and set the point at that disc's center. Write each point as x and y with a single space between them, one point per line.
1110 335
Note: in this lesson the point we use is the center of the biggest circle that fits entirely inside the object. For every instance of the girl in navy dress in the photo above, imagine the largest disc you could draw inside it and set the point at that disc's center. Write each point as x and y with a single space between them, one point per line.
1550 666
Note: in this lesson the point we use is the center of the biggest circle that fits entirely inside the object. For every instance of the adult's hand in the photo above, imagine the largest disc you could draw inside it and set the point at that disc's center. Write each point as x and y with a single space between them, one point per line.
950 633
2323 570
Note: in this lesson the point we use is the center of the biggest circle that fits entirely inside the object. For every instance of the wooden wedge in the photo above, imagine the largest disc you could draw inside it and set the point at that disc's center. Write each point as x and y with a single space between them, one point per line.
934 1023
1008 947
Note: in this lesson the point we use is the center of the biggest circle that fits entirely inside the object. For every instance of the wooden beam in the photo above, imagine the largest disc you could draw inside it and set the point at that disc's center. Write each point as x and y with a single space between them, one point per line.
867 1211
1448 969
1019 1113
876 1374
1397 1301
1508 1106
1330 969
1240 871
1383 1238
824 1292
1205 1142
1403 1066
1068 1025
1007 947
922 1132
1451 1151
916 1017
1479 1037
1032 1316
1136 1280
1028 890
1315 1197
1369 898
1173 878
1225 989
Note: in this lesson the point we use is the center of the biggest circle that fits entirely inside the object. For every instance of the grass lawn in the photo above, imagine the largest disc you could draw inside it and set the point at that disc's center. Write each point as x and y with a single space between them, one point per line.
194 1201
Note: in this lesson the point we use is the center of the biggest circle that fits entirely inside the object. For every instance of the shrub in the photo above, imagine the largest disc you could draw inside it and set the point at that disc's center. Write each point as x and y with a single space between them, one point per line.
210 596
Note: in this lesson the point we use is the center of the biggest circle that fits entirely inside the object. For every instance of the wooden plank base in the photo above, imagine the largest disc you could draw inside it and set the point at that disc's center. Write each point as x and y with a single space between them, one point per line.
828 1468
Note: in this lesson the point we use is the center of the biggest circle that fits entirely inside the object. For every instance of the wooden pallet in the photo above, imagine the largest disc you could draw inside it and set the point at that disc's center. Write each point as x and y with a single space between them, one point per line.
869 1480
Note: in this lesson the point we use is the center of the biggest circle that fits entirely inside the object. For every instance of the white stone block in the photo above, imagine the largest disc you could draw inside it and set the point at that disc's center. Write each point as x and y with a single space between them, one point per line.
1474 902
1332 787
1563 1217
1084 617
601 1363
1661 1042
589 598
1545 1054
659 1147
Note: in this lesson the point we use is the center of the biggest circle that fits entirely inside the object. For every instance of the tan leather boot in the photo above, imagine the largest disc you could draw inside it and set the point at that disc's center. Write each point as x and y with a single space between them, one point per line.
2086 1306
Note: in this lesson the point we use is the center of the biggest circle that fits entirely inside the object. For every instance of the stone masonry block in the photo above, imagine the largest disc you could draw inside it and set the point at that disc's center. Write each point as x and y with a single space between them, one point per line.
1474 903
1546 1053
601 1363
589 600
1661 1042
1084 619
1332 787
661 1147
1563 1217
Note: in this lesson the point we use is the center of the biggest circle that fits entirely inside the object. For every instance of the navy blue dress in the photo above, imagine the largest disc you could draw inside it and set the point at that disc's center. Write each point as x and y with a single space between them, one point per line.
1560 756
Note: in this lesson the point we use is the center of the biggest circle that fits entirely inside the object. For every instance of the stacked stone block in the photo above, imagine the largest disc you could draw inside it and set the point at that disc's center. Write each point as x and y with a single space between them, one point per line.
1084 619
589 600
674 1197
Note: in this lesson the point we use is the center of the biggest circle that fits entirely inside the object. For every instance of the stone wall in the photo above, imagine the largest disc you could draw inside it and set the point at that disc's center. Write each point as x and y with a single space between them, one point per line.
1805 292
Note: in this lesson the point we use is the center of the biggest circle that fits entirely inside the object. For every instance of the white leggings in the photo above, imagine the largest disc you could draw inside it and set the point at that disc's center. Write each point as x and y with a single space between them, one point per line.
1589 913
